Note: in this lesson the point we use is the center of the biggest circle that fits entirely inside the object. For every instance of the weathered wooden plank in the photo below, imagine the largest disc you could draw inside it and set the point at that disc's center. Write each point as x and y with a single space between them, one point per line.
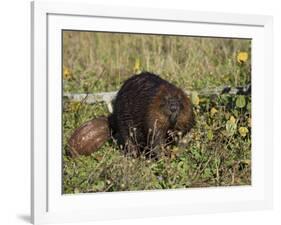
91 98
108 97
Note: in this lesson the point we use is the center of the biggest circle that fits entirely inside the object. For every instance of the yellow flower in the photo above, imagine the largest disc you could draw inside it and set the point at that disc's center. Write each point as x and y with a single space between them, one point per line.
74 106
213 111
67 75
243 131
242 57
137 67
195 98
232 120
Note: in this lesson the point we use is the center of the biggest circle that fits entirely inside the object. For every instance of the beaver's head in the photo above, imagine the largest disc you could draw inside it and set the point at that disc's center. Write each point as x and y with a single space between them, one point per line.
171 105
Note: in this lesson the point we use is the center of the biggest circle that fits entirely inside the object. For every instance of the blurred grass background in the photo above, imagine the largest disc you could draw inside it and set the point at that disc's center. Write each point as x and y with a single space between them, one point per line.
102 61
219 149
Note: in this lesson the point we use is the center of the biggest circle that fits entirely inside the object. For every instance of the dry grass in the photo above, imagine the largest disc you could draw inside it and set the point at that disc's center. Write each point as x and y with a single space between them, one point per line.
218 152
101 62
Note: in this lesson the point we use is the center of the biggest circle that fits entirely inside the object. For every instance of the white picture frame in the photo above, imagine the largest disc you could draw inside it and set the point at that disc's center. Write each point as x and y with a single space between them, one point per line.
48 205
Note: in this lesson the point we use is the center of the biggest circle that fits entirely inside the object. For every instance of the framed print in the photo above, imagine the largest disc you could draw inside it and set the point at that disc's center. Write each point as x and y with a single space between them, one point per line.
147 112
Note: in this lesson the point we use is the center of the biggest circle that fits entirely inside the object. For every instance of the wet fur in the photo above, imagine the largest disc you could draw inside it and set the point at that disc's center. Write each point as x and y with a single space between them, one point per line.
141 120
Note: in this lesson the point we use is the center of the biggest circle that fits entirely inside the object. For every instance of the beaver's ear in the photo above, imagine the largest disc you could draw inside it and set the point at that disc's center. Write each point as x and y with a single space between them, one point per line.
162 90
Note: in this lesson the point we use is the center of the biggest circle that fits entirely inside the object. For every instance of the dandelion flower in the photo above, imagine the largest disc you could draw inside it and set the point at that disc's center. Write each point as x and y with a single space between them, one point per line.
137 67
232 120
242 57
74 106
213 111
67 75
243 131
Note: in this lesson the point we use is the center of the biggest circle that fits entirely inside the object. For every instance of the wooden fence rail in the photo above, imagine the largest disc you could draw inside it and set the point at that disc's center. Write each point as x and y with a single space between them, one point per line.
108 97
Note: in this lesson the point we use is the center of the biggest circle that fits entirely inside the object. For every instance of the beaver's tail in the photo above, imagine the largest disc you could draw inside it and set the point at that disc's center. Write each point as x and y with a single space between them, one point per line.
89 137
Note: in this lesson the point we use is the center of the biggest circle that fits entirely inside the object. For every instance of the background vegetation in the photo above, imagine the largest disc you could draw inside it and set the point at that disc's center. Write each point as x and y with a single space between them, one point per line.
218 150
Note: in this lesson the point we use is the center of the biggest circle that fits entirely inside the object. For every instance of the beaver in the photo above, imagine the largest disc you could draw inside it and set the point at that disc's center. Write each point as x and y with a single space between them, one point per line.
149 113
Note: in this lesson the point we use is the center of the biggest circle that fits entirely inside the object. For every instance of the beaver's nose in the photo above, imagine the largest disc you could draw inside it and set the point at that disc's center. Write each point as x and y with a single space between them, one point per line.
174 107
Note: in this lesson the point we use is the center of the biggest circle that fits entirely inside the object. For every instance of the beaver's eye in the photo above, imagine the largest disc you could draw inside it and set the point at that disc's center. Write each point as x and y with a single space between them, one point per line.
166 97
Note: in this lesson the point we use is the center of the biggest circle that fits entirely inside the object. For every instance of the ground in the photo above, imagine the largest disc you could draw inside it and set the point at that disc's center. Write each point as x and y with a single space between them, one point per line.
217 152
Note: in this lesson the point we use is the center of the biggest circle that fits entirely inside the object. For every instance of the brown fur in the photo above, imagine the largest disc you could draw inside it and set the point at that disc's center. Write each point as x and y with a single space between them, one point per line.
143 120
185 118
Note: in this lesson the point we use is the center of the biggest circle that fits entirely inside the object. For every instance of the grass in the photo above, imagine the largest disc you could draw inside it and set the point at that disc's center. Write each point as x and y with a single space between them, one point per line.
218 152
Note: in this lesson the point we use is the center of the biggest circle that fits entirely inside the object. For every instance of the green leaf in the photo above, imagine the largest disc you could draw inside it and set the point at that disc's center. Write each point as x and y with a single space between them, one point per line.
207 173
210 135
230 128
249 106
98 186
240 101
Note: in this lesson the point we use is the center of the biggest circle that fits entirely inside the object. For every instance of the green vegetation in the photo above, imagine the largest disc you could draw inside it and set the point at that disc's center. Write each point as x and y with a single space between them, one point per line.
218 150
